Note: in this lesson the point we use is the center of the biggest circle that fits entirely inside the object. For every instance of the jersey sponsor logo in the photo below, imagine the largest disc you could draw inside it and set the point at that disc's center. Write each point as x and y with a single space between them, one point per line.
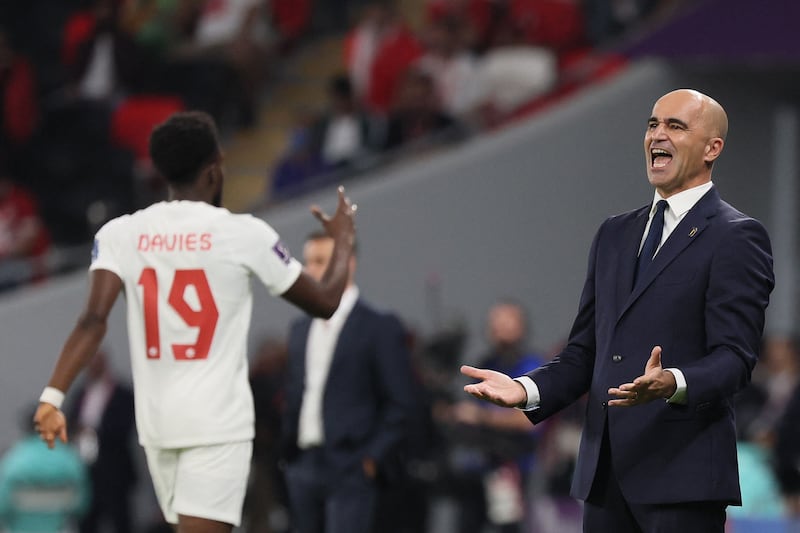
282 251
174 242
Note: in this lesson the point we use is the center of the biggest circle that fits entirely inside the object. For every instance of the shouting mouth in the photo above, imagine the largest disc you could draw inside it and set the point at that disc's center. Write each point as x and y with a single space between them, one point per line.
659 158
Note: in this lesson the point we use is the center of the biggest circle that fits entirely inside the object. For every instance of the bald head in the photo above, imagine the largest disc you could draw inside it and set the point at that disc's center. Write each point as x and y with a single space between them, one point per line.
710 113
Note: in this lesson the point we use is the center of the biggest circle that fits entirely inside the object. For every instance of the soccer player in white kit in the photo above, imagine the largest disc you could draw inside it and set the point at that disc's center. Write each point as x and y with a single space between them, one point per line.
185 267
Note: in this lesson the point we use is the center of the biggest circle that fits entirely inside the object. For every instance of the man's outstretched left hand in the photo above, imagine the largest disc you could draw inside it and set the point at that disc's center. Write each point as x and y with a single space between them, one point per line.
655 384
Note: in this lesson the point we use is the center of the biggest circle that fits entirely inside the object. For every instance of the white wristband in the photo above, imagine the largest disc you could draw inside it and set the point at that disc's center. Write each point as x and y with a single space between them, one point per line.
52 396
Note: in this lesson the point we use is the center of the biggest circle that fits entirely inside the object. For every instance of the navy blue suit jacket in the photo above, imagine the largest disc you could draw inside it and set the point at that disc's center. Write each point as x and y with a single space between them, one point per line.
703 301
368 394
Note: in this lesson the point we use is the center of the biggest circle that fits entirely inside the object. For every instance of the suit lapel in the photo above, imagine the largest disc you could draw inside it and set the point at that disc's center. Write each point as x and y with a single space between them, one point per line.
692 225
347 335
301 338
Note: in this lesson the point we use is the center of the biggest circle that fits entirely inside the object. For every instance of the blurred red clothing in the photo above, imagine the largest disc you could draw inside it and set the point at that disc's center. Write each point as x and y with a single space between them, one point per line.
20 111
396 49
78 29
477 14
557 24
291 17
18 209
135 118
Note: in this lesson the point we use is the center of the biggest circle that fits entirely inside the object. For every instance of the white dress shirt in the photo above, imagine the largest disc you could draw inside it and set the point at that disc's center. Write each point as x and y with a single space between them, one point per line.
322 338
342 140
679 205
98 80
95 399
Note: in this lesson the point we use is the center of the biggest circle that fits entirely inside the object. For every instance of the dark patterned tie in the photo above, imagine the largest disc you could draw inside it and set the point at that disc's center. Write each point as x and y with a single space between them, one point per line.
651 241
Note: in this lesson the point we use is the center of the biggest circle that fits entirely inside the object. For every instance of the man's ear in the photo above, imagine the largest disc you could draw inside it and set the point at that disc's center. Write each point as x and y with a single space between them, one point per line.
713 149
212 173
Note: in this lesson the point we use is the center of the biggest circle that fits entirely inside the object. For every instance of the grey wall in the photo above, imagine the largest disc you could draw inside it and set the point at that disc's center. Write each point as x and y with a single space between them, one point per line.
512 214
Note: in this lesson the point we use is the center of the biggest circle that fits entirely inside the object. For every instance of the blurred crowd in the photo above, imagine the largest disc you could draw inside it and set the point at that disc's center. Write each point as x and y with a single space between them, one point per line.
490 467
470 66
82 82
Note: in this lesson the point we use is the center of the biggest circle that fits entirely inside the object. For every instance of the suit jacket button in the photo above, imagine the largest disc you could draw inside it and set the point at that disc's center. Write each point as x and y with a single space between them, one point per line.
616 358
604 404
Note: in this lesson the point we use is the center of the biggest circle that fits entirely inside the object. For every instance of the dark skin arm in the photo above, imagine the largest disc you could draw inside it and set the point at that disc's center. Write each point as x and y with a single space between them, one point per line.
81 345
321 299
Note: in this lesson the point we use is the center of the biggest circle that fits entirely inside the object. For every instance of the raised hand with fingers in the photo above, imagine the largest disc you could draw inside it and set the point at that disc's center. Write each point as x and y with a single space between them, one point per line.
656 383
50 424
340 226
495 387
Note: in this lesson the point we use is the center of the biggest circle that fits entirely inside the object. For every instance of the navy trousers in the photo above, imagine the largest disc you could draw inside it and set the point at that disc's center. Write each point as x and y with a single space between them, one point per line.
323 500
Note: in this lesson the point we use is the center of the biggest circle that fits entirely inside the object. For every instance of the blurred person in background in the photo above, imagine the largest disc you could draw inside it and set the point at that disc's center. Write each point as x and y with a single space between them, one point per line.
377 52
335 16
300 162
608 19
327 143
777 377
417 116
349 404
265 505
227 47
24 238
108 63
764 443
436 357
761 410
403 505
787 443
451 65
292 19
20 117
102 417
555 24
479 18
511 73
558 443
344 132
492 491
105 65
80 176
19 105
755 440
41 490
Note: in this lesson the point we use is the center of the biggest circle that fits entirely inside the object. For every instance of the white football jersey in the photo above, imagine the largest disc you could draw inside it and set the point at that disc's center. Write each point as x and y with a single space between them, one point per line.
186 267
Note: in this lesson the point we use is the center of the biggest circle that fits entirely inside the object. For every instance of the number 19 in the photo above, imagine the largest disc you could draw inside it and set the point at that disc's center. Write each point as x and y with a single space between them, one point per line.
205 318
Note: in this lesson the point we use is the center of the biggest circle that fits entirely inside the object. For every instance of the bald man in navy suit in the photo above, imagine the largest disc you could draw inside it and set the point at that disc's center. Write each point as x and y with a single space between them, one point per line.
668 330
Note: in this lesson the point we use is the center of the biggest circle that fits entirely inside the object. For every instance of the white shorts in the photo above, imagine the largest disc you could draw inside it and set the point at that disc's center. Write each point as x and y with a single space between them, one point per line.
204 481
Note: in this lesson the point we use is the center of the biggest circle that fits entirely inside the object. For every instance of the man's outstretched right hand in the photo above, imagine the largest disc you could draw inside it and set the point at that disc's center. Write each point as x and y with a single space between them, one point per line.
495 387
